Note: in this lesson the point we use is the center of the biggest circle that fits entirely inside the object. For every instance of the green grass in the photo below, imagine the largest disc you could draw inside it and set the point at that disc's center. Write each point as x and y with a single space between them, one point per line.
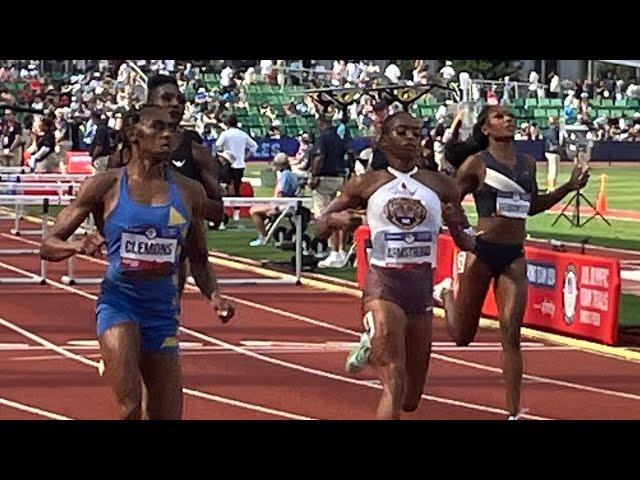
621 184
629 315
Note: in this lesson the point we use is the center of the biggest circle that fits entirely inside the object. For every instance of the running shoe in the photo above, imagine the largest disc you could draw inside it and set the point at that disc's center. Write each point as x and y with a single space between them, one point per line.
358 358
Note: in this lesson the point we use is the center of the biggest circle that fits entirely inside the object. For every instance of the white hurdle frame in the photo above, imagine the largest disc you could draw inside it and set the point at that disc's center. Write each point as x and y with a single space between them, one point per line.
41 277
289 203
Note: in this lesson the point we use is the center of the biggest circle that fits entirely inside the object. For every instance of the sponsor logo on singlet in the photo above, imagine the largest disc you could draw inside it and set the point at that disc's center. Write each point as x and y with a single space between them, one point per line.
178 163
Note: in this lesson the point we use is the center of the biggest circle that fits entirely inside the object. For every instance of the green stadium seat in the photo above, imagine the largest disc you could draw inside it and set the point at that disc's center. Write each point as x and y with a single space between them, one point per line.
621 103
519 102
629 112
531 102
553 112
539 112
633 102
603 112
607 102
544 102
555 102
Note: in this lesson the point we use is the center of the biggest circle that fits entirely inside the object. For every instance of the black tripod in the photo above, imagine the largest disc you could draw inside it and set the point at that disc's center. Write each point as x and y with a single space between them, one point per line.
575 219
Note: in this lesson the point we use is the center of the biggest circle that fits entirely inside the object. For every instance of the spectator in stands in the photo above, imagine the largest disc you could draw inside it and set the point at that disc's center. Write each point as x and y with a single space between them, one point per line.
266 70
241 145
554 85
102 147
447 72
10 136
392 72
327 177
534 78
534 132
45 160
286 186
267 111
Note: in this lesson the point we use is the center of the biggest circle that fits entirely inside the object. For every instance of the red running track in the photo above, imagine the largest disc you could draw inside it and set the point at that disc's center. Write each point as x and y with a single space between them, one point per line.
282 357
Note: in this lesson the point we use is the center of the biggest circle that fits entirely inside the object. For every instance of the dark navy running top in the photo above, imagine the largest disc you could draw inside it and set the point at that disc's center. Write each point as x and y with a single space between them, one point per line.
487 197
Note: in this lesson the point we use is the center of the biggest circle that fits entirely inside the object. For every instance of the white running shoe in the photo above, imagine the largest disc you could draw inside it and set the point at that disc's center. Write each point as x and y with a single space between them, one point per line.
440 288
330 261
258 242
358 358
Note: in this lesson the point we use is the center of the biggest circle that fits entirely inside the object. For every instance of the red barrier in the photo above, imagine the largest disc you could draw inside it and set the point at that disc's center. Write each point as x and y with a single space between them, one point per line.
246 190
569 293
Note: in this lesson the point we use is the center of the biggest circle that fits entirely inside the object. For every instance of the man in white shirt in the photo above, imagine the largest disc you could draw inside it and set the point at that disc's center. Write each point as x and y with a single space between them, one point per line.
266 68
240 144
225 76
447 71
533 83
392 72
554 85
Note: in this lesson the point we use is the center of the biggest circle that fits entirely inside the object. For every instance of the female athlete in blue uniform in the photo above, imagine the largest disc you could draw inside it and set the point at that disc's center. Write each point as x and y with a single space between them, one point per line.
153 219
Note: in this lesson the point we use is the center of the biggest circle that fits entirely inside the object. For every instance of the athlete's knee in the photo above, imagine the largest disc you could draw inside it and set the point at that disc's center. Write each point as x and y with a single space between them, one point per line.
129 396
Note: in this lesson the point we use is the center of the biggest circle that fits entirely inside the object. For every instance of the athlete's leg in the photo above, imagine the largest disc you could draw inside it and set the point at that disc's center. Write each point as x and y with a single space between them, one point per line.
388 356
511 296
418 344
163 379
462 315
120 348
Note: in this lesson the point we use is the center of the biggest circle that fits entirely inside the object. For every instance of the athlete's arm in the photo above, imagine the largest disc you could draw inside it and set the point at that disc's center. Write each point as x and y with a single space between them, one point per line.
198 254
453 215
55 246
542 203
470 176
196 244
214 210
337 215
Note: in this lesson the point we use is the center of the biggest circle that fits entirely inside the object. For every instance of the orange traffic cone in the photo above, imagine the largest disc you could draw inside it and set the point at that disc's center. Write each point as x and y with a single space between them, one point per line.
601 198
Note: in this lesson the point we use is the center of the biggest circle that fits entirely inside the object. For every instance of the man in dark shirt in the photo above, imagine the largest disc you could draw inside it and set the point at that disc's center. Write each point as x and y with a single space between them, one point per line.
327 177
102 146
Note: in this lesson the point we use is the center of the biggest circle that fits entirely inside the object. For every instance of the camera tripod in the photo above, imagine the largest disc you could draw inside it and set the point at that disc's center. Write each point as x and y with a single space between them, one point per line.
574 219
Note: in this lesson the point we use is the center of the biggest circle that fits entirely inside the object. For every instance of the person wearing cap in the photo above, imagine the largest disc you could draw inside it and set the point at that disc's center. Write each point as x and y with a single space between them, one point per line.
286 186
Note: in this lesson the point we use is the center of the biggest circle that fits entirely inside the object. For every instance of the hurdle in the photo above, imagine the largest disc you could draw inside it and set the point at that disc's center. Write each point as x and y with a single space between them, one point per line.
41 277
22 190
294 204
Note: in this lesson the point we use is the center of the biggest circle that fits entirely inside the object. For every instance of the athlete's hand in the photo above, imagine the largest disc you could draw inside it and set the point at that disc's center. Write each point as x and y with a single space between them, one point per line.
91 245
222 307
579 178
347 219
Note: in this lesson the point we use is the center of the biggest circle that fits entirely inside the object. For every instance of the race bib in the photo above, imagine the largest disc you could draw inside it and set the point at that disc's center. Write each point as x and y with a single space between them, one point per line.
408 247
513 204
147 249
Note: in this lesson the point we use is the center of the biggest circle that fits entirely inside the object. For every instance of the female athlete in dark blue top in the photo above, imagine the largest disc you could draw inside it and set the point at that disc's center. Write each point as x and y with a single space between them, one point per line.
153 219
505 190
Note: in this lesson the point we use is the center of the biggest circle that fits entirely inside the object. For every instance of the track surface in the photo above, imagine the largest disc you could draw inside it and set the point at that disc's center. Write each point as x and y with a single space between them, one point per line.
282 357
